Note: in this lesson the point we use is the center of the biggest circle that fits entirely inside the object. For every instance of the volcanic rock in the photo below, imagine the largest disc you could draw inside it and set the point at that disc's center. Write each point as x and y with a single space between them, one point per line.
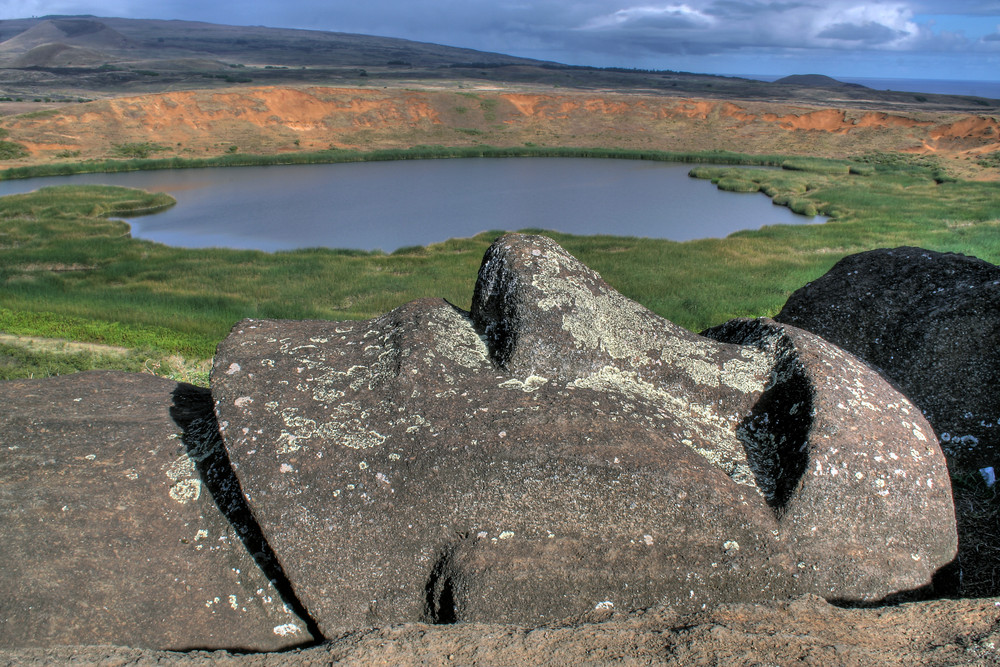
111 534
561 449
930 322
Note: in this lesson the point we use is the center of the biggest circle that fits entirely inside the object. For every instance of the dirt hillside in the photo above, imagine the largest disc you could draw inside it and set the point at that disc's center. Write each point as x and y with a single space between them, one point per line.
202 123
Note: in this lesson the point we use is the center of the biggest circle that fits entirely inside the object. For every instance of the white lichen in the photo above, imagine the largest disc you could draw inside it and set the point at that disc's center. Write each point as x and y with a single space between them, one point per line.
699 423
456 339
530 384
185 491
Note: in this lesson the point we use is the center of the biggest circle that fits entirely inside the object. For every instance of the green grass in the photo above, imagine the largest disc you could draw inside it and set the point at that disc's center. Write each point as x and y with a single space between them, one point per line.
334 155
70 271
29 358
17 361
137 150
10 150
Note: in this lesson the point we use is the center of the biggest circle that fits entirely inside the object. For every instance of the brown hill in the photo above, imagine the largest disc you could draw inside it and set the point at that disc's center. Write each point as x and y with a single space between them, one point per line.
60 55
146 53
275 120
76 32
239 44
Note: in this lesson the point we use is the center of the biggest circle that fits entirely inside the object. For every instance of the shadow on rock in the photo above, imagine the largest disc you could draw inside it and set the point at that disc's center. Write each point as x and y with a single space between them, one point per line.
109 534
192 410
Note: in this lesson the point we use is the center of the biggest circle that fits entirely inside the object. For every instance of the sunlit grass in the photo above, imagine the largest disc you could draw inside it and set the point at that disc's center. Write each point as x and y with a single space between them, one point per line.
69 271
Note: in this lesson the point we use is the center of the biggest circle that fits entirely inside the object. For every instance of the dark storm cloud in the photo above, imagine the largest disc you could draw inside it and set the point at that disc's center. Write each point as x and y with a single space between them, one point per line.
868 33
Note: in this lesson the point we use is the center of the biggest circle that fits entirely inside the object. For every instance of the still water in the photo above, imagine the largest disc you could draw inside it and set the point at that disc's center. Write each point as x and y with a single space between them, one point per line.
388 205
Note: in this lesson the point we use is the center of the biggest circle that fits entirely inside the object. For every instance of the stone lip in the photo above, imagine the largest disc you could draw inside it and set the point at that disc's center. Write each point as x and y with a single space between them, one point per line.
111 529
930 322
561 449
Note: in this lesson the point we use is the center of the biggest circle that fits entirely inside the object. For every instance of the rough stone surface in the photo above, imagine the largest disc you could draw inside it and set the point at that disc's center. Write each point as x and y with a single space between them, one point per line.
930 322
804 631
110 531
561 449
860 485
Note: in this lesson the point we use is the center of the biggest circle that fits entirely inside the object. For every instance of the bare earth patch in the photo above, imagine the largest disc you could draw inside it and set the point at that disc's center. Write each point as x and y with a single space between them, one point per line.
274 120
57 345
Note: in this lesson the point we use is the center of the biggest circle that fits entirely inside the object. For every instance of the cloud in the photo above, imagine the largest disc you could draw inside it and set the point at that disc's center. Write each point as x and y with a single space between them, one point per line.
956 7
641 33
732 26
888 25
664 17
870 33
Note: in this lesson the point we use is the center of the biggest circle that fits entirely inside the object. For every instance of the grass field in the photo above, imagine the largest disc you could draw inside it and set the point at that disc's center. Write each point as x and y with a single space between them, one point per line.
336 155
70 271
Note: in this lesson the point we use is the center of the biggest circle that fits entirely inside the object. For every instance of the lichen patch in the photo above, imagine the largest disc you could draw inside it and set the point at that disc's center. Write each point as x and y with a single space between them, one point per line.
456 339
530 384
707 432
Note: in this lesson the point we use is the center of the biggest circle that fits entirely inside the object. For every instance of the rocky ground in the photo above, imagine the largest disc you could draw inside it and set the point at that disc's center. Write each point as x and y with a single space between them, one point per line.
806 631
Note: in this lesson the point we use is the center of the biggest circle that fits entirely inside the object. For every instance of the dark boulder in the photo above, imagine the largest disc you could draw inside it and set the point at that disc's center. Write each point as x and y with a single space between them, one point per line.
930 322
111 532
561 449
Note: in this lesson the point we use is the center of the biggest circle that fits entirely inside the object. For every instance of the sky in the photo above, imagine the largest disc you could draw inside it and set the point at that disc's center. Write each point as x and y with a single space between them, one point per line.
908 39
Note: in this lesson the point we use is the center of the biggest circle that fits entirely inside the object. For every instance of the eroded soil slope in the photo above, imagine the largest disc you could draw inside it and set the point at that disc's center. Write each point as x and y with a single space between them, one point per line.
273 120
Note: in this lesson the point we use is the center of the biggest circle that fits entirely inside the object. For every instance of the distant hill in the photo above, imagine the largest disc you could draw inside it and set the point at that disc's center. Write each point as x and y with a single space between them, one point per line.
816 81
131 39
75 32
64 58
60 55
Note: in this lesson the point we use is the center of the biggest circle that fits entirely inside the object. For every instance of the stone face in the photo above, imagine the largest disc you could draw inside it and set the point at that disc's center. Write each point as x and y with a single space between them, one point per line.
931 323
110 531
561 449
